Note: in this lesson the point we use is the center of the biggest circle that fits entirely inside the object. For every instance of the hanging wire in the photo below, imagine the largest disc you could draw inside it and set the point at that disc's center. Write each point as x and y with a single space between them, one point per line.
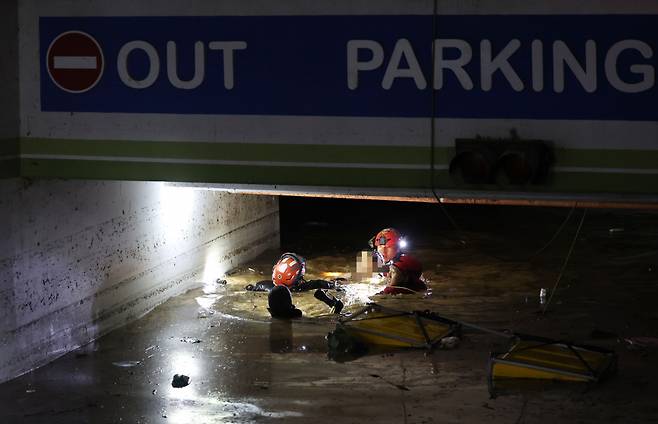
462 239
566 261
544 247
460 234
557 232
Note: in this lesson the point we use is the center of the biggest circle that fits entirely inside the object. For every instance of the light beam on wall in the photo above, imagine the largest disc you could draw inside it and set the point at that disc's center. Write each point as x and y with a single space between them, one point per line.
177 209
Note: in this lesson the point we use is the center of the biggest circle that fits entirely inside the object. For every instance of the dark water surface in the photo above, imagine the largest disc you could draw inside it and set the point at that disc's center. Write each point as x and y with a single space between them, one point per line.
487 268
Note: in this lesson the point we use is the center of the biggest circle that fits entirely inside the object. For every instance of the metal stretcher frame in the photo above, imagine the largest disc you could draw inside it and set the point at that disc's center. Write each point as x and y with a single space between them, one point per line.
421 319
561 360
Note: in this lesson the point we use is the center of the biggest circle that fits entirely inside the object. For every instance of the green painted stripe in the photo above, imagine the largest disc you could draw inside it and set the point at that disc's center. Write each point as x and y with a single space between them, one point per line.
568 182
354 177
594 158
232 151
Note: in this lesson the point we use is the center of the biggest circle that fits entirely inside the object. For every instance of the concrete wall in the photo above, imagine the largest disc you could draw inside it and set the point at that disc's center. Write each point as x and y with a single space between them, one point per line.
9 88
78 259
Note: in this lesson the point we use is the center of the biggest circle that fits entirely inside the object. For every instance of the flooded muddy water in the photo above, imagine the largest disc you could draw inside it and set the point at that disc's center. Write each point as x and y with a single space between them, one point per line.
487 269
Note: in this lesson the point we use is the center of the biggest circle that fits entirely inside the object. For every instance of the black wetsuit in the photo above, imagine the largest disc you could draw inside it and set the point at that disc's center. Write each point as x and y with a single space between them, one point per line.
303 285
320 287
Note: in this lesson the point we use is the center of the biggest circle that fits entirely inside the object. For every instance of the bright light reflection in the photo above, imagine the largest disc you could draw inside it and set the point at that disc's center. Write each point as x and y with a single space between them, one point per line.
177 205
181 416
208 409
207 301
211 270
360 293
185 363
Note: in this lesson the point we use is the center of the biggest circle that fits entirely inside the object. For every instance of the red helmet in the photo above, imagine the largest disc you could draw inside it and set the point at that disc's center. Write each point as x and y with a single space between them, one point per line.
387 243
289 270
389 237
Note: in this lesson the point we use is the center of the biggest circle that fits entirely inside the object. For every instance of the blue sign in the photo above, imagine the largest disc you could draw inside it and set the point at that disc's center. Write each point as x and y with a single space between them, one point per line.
511 66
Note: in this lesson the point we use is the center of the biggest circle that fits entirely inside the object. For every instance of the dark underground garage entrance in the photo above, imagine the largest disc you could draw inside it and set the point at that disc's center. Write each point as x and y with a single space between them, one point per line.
123 295
483 265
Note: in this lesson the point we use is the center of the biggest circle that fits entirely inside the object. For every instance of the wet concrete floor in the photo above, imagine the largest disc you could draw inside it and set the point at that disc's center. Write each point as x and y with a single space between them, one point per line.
246 367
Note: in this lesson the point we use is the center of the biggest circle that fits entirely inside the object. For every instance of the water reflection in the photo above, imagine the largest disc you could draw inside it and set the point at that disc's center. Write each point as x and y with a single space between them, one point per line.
182 416
207 301
362 292
208 409
184 363
280 336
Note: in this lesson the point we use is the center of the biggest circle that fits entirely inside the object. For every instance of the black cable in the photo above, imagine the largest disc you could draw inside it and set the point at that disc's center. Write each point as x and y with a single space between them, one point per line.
559 230
544 247
460 233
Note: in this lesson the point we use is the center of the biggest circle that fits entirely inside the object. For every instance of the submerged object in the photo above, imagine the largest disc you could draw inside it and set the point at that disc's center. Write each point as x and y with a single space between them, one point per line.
378 325
538 358
280 303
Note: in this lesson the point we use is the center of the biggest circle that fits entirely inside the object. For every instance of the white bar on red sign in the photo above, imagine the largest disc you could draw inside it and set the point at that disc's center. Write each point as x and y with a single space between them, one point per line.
74 62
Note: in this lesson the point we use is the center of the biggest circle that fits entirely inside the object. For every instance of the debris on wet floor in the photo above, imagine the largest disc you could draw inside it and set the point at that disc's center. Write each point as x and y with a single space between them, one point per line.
180 380
248 367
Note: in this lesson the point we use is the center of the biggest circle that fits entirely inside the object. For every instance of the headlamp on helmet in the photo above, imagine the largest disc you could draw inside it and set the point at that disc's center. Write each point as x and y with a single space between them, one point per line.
389 237
388 244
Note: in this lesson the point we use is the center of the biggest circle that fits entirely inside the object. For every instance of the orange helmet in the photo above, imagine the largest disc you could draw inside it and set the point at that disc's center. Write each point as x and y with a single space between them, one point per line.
389 237
387 243
289 270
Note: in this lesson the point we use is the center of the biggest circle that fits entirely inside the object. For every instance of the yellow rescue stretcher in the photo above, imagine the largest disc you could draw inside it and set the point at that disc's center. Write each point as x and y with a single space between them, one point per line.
538 358
381 326
529 358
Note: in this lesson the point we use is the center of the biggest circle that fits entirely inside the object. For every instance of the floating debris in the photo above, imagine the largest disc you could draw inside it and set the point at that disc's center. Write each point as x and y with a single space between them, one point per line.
641 342
180 380
190 340
205 313
449 342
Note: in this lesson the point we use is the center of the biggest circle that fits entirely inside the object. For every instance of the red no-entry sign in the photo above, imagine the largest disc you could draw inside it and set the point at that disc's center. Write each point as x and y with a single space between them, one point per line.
75 61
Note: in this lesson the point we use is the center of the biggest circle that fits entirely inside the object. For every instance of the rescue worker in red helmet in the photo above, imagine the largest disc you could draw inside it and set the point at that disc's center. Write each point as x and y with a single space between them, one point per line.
289 272
404 274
